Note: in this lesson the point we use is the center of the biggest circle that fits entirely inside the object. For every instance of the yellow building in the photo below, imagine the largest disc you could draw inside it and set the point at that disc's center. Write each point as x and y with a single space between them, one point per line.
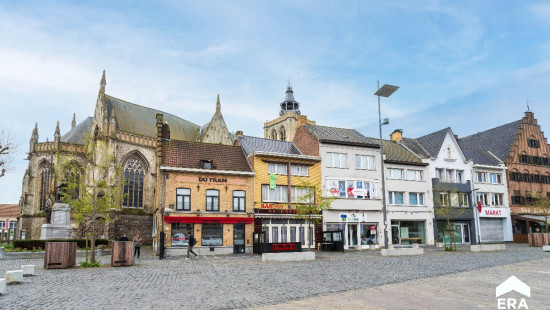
282 171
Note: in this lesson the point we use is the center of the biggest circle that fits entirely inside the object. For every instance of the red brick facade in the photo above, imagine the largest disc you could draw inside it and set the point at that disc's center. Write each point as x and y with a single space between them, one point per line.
306 142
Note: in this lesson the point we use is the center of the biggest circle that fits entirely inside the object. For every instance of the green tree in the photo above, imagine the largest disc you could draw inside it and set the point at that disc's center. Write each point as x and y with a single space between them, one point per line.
449 204
94 190
541 204
311 204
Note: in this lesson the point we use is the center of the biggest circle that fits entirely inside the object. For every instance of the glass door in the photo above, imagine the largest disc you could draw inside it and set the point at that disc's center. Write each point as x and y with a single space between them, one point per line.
238 238
352 234
395 238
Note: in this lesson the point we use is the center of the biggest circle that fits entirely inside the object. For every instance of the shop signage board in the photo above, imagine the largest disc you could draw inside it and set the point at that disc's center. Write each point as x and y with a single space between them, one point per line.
354 217
493 212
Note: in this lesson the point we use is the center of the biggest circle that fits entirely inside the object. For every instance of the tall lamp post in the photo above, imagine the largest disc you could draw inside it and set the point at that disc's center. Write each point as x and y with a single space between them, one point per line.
384 91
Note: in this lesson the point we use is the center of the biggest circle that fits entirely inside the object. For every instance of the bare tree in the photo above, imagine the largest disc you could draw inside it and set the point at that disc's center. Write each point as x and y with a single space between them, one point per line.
7 148
541 204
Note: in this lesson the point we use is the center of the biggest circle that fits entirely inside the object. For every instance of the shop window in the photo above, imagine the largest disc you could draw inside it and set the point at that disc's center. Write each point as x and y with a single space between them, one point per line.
395 198
183 199
179 234
274 234
277 194
302 235
239 198
283 234
368 234
212 200
416 199
212 234
409 232
364 162
292 233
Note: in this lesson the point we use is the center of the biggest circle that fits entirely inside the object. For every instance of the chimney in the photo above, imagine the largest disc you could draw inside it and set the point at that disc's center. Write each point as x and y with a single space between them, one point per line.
166 131
239 133
302 120
397 135
456 137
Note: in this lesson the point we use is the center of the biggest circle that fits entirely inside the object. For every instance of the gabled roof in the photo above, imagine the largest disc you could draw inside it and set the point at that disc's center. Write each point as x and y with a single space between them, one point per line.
480 157
397 153
432 142
255 144
498 140
141 120
185 154
336 135
79 132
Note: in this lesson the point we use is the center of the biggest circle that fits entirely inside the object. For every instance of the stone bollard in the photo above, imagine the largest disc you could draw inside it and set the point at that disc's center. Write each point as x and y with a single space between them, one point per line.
3 288
28 270
14 276
372 247
415 245
390 246
99 251
2 253
546 248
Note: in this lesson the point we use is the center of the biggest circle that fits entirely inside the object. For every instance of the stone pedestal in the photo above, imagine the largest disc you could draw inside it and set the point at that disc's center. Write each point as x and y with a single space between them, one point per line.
60 227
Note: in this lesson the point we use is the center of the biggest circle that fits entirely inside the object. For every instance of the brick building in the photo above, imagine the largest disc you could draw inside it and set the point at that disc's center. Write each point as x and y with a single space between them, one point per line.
206 189
521 145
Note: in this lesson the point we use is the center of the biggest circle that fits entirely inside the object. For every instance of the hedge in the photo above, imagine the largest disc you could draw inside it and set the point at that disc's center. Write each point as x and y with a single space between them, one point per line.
35 244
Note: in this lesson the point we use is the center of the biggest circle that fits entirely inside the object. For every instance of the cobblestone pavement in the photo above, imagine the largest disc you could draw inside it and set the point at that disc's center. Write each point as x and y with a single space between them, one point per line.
238 281
464 290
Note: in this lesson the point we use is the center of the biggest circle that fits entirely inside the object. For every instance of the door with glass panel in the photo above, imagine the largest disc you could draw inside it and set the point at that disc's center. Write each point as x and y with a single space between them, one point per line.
352 235
238 238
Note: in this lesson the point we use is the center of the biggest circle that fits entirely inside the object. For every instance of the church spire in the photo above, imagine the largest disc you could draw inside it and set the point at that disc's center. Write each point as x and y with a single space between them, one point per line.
73 123
290 104
57 131
34 138
218 105
102 83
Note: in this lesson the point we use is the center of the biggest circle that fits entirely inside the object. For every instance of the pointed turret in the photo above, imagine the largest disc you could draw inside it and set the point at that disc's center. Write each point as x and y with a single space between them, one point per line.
102 84
290 104
34 138
218 105
73 123
57 136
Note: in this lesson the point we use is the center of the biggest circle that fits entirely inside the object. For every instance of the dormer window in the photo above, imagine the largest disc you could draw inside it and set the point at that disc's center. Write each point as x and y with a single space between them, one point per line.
206 164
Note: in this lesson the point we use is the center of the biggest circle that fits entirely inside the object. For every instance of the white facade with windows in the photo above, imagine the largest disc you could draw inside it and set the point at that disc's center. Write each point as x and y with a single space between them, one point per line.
409 203
491 192
352 175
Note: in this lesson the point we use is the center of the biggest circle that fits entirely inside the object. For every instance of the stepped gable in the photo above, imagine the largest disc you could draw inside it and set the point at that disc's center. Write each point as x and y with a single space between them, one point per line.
498 140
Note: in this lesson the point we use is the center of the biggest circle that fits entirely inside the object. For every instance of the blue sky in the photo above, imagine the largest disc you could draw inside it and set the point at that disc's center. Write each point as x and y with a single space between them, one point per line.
470 65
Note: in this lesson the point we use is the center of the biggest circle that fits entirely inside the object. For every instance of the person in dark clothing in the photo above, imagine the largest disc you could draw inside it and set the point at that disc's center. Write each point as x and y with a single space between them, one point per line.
192 241
123 238
137 245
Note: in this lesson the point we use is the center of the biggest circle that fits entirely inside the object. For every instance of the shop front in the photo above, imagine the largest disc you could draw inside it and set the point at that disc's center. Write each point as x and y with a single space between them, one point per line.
360 228
219 235
526 220
461 231
408 232
282 226
494 224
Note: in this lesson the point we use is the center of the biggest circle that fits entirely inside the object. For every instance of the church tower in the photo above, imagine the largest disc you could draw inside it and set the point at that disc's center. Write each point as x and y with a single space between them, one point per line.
284 127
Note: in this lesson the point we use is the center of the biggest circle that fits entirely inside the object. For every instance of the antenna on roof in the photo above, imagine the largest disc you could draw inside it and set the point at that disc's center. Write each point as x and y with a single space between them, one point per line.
527 104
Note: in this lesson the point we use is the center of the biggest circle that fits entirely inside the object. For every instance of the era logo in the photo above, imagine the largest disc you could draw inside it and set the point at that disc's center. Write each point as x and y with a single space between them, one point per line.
512 284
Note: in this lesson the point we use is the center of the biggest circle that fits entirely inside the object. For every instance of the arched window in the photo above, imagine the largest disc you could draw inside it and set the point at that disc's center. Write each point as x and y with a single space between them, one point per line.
45 177
283 134
133 187
274 134
449 152
73 178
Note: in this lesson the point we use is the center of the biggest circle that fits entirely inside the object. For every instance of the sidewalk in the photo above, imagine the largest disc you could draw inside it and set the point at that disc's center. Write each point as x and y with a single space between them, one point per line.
465 290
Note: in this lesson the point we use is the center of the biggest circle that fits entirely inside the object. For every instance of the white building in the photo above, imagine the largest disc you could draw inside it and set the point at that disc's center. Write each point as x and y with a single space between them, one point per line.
351 173
408 194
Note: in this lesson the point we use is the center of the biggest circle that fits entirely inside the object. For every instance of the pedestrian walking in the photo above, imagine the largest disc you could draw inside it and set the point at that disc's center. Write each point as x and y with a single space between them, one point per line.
192 241
123 238
137 245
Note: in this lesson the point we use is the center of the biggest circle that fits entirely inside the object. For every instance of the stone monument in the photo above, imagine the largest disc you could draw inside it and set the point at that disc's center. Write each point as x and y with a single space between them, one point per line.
58 225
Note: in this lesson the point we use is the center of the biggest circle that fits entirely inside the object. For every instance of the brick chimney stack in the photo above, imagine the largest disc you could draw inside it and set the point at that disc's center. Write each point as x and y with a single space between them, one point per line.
397 135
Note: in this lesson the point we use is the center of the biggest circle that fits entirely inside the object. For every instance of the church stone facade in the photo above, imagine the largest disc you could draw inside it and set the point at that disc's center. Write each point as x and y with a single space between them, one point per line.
130 132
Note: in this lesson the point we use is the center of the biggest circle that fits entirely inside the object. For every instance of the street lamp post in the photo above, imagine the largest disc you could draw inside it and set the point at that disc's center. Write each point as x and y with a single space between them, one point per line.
384 91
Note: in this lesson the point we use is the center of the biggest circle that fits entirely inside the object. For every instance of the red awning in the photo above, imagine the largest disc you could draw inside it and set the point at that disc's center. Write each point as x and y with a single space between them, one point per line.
208 219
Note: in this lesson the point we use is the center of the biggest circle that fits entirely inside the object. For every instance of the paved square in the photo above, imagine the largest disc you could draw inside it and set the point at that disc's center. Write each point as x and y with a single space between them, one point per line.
347 280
